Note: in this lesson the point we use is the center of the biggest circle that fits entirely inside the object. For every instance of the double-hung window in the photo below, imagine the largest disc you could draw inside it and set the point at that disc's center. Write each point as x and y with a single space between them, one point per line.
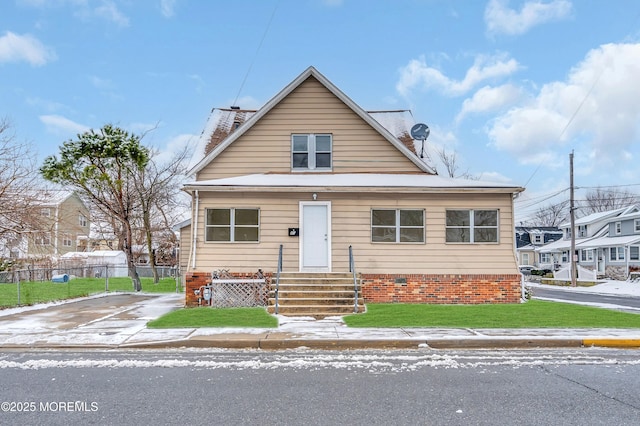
311 151
43 239
232 225
472 226
634 253
616 254
397 226
586 255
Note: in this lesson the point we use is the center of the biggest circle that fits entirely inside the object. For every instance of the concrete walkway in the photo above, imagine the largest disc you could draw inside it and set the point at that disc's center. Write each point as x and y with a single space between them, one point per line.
119 321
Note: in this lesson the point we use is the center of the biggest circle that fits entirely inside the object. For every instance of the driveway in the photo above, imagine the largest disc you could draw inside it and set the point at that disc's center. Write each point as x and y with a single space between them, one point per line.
105 318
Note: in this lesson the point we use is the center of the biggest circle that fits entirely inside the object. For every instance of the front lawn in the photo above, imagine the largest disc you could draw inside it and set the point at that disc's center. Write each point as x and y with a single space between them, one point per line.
32 292
533 314
215 317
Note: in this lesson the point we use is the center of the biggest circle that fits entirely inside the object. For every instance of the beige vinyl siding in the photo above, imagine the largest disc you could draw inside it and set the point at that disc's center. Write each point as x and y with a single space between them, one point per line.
310 108
351 225
185 248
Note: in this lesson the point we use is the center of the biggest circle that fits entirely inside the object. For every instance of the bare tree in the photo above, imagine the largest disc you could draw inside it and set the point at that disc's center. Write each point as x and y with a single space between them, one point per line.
601 200
158 191
450 162
17 180
551 215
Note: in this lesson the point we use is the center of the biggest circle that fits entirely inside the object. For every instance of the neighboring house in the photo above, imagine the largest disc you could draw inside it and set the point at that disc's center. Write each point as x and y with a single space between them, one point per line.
531 238
63 226
101 263
606 242
315 174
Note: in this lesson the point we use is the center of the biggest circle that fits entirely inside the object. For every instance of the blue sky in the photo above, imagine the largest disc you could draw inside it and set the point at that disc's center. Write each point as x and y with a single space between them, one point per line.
511 86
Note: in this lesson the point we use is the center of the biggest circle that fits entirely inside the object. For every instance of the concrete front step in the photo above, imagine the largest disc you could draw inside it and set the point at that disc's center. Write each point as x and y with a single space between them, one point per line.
314 311
285 301
315 294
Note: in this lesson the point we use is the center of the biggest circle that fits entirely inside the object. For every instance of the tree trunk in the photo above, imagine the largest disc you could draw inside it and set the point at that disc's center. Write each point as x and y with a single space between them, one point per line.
133 273
152 254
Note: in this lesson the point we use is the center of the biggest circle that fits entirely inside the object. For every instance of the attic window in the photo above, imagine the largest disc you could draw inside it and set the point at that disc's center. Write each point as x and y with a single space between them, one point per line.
236 124
311 151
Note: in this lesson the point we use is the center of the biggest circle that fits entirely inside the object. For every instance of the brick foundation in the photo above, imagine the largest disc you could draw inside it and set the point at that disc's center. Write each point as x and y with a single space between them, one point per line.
194 280
441 289
411 288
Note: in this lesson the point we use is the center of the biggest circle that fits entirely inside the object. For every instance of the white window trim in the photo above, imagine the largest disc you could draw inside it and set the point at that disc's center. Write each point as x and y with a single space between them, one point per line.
399 228
636 225
472 227
232 218
619 255
311 152
618 228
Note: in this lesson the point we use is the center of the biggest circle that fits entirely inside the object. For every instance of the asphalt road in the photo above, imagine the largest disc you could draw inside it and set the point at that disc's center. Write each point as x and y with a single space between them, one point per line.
575 296
303 387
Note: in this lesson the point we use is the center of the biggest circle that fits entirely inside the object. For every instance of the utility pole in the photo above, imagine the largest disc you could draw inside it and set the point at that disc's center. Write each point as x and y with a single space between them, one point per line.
574 257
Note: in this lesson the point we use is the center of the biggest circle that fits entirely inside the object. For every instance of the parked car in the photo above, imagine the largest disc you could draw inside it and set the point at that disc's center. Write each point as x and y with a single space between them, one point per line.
526 269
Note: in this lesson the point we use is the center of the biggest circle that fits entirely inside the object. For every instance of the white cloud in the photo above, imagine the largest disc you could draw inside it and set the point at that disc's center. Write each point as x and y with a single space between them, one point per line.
59 124
17 48
595 109
109 11
490 98
500 19
167 8
175 146
417 74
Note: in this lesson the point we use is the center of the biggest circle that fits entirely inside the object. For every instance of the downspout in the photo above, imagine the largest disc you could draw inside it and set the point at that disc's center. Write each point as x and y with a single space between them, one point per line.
194 230
523 293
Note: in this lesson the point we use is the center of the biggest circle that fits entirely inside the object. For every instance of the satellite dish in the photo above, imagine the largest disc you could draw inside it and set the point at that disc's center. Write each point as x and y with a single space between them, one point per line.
420 132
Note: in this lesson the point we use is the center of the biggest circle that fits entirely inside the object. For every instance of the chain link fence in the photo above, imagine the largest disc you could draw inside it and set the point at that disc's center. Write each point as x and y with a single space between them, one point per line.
38 285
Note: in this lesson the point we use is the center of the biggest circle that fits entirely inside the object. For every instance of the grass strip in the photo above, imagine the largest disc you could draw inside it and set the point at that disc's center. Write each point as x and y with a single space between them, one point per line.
533 314
215 317
32 292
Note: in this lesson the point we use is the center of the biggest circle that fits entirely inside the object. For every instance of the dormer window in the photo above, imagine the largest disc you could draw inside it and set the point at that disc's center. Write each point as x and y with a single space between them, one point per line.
537 239
582 231
311 151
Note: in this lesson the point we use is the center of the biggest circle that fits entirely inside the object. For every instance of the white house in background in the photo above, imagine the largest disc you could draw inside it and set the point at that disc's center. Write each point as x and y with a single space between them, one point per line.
113 261
606 242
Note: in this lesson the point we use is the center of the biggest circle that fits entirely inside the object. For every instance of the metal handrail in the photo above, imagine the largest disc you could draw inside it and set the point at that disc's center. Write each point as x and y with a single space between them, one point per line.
352 269
278 277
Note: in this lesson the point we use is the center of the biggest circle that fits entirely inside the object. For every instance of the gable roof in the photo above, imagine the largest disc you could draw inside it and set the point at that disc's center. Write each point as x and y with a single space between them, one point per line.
251 119
595 217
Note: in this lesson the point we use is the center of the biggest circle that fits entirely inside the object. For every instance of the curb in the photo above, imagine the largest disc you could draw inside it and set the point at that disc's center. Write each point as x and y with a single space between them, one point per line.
612 343
349 344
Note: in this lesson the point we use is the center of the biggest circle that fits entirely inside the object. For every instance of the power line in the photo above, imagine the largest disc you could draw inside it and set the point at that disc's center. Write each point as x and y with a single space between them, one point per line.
264 35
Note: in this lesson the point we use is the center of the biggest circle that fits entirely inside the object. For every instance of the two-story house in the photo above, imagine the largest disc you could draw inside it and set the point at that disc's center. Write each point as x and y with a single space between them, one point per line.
315 177
529 239
63 226
615 252
606 242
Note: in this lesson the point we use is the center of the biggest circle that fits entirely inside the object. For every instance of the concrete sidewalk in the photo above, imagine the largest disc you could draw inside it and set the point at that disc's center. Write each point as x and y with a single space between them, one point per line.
119 321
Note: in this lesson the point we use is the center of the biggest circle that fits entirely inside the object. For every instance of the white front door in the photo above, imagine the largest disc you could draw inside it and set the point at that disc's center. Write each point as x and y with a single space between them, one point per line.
315 236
